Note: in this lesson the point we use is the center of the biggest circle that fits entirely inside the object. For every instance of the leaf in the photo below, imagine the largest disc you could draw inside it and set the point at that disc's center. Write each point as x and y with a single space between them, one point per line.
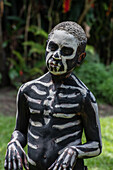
36 50
40 63
36 31
12 61
21 61
29 43
7 3
15 18
13 74
5 43
90 49
35 70
42 33
35 47
105 6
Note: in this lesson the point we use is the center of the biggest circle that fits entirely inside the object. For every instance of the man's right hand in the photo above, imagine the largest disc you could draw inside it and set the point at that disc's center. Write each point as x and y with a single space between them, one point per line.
15 157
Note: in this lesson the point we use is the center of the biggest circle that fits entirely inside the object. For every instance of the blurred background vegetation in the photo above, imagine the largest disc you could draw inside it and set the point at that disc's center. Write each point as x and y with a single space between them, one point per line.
24 28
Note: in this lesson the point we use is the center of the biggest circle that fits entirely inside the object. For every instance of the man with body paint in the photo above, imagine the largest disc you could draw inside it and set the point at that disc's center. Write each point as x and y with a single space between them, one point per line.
53 110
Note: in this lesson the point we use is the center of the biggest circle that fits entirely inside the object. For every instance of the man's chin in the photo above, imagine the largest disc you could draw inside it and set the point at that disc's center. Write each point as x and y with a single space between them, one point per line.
57 73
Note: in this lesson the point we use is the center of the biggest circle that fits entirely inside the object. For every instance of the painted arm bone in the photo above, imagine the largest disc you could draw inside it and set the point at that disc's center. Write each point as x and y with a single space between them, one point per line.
91 125
15 155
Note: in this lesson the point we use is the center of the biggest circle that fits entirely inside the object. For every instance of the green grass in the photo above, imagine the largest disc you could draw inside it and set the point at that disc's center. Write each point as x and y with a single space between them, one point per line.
102 162
6 128
105 160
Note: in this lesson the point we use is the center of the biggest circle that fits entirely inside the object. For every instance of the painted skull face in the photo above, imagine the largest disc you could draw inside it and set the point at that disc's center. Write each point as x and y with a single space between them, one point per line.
61 52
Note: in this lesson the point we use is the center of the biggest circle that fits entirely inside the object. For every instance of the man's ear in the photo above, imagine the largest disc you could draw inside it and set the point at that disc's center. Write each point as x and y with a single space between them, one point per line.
81 58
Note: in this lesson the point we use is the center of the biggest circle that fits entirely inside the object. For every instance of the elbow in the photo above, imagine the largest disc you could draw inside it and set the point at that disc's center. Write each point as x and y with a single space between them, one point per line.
100 148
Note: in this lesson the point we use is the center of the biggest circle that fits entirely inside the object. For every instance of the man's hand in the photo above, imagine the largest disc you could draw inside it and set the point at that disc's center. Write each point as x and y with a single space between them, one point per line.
15 157
66 160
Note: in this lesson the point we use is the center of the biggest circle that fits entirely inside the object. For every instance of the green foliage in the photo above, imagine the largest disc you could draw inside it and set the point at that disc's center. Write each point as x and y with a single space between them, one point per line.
26 66
20 71
7 3
34 47
101 29
31 20
93 75
6 129
106 90
102 162
36 31
97 77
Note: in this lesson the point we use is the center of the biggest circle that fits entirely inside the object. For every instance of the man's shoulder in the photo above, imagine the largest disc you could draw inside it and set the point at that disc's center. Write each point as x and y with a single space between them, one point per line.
79 84
43 80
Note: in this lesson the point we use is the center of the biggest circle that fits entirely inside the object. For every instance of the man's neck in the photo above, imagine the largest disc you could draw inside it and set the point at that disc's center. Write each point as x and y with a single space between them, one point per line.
59 79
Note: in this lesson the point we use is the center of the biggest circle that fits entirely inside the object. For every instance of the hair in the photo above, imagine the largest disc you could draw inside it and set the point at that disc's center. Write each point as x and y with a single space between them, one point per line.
76 30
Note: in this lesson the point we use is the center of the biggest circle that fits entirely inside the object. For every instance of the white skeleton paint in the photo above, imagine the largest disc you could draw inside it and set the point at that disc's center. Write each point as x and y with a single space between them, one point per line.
53 111
63 40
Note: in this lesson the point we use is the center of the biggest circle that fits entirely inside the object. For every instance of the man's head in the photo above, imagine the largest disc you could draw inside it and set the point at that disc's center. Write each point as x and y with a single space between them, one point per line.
65 48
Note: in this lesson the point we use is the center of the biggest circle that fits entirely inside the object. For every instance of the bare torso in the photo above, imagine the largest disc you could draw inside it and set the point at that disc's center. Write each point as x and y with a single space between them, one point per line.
55 120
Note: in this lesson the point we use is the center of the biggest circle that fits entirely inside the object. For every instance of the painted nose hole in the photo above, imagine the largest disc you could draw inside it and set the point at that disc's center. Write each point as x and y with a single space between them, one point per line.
56 56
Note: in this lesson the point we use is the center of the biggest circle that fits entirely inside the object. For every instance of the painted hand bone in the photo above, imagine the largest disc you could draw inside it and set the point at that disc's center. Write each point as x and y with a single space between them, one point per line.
66 160
15 157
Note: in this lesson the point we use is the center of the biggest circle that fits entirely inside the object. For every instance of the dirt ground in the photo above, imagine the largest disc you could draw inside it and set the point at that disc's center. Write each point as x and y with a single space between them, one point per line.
8 103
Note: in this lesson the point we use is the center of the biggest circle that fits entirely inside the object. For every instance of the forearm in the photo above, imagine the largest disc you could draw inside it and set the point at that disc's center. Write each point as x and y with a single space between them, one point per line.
92 130
22 119
88 150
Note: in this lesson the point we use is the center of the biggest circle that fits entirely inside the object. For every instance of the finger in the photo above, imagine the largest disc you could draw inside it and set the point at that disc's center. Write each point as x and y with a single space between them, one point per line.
19 159
60 160
70 168
9 159
23 156
51 167
68 156
25 162
5 164
6 161
66 161
64 168
73 160
60 168
56 166
14 160
62 156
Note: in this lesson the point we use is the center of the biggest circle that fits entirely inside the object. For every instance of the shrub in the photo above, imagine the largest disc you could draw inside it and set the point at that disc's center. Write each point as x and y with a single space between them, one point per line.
97 77
93 75
106 90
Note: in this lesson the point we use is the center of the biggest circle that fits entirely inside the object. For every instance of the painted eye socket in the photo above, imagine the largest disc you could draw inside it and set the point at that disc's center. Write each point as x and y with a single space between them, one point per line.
65 51
52 46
